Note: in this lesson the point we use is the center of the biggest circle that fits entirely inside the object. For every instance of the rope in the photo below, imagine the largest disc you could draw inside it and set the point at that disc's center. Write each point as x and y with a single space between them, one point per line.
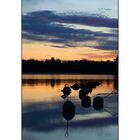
107 95
103 94
67 132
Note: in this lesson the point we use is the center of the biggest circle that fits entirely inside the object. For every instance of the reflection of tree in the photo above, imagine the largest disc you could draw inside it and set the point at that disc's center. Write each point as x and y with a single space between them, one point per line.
58 82
52 81
116 84
72 66
108 82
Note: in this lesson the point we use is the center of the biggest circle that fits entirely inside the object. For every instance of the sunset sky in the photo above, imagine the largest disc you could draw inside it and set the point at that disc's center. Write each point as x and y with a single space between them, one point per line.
70 29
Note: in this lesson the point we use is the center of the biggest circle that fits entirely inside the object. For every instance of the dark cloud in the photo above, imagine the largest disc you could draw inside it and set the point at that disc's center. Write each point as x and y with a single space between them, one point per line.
55 46
43 26
35 25
90 20
107 45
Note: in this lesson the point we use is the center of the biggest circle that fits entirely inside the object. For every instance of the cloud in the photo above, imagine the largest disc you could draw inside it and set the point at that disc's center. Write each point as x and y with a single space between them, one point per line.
107 45
104 9
43 26
35 26
86 19
105 55
55 46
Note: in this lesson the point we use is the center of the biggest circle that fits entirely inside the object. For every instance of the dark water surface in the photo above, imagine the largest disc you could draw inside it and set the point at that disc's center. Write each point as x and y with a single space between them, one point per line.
42 109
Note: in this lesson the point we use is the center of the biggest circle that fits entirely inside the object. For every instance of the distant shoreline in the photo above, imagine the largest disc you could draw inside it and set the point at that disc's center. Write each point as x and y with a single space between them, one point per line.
56 66
31 73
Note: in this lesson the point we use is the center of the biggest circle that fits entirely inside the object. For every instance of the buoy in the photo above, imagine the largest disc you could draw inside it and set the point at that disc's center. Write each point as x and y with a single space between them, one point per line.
82 93
68 110
75 86
88 89
82 85
97 83
64 96
91 84
98 103
66 90
86 101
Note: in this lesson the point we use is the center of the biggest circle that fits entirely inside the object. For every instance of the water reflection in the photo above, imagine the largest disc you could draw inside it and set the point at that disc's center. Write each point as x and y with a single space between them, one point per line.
68 108
46 117
45 111
57 82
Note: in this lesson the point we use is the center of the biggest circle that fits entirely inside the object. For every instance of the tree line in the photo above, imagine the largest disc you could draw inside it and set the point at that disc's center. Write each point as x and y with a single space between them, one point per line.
70 66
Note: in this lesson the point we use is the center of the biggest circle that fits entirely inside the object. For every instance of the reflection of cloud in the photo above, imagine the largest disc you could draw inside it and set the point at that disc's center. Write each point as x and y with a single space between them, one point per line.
47 117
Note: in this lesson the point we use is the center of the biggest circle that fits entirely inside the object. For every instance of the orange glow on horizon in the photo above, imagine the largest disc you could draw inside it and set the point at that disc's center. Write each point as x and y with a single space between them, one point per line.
46 50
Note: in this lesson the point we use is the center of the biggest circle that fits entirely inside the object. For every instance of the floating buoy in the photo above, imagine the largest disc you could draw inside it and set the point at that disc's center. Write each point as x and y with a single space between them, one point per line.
97 83
88 89
82 93
98 103
75 86
86 101
91 84
66 90
63 96
68 110
82 85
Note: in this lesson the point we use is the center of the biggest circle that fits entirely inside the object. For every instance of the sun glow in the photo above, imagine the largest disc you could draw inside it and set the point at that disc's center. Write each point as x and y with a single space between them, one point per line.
47 50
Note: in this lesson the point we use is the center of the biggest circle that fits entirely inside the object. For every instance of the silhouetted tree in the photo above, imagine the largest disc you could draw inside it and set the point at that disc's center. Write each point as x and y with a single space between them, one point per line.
72 66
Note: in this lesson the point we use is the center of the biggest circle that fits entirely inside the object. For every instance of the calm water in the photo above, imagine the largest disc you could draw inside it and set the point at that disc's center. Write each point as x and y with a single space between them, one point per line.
42 109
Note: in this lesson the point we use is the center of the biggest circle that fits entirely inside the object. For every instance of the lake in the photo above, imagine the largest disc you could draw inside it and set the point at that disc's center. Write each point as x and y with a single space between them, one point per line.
42 117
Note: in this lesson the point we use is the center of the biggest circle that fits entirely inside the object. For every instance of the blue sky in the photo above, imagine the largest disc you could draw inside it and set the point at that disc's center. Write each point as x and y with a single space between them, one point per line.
108 7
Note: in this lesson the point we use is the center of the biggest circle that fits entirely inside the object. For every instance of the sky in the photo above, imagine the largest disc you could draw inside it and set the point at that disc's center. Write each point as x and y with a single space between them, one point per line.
70 29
